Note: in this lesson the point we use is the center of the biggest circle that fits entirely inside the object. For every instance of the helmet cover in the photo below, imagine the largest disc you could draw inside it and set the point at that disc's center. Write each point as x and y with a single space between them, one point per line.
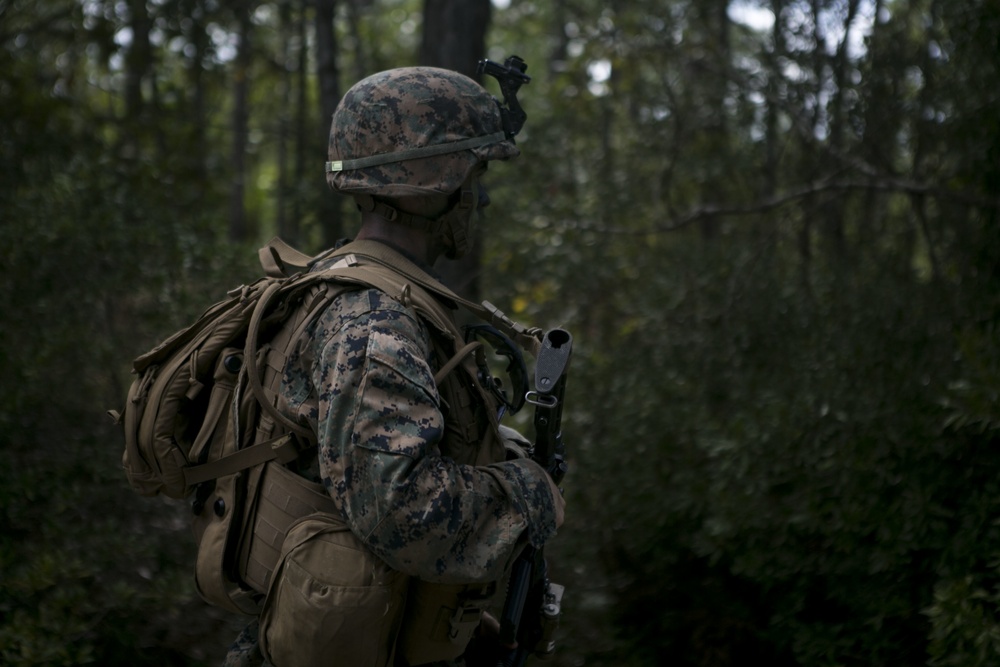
413 131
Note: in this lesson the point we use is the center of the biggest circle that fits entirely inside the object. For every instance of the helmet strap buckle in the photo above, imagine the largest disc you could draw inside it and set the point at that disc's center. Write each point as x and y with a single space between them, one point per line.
366 203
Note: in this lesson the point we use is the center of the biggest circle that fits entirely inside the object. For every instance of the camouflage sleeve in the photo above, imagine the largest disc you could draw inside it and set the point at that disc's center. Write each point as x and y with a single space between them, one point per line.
380 423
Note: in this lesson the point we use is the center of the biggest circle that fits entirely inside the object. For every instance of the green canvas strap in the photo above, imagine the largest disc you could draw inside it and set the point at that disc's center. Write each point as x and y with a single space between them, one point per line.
455 361
528 338
284 450
414 153
277 257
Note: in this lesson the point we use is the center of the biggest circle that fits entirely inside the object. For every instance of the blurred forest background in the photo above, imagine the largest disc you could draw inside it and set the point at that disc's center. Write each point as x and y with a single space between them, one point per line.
771 225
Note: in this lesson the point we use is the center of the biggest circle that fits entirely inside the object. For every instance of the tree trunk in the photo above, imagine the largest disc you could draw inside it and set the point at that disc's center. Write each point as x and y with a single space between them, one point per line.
138 60
715 23
241 91
302 144
361 53
454 34
560 40
454 38
327 72
775 76
196 81
834 210
282 221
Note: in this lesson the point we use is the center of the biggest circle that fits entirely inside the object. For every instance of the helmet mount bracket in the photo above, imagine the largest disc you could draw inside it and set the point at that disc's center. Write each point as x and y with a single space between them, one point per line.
511 76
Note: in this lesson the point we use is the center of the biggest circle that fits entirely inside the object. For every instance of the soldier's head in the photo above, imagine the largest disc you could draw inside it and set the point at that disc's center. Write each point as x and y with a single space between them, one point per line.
410 144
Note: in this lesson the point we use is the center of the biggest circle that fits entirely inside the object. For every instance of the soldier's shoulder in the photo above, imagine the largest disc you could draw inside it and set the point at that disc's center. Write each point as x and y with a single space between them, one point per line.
364 308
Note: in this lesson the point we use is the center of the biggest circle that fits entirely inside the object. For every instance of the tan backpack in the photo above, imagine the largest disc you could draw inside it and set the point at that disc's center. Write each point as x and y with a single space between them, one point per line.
199 422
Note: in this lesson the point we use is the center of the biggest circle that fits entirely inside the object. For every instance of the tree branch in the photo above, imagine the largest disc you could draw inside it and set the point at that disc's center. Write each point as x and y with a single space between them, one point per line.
770 203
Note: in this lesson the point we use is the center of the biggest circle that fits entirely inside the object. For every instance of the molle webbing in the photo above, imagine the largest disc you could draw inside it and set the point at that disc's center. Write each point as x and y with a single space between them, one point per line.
263 370
284 498
265 363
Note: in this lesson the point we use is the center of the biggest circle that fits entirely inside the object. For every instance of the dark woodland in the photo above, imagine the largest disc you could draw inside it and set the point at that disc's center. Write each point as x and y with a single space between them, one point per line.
771 225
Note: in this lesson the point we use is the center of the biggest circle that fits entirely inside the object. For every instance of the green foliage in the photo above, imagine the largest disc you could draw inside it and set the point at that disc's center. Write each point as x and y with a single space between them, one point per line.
778 262
784 422
77 571
965 628
100 260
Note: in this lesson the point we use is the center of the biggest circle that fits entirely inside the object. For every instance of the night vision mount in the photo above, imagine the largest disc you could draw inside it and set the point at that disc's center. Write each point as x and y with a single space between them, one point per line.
511 77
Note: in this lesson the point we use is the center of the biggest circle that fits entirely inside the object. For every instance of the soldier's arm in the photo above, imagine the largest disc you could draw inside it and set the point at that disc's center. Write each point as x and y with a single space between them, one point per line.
422 513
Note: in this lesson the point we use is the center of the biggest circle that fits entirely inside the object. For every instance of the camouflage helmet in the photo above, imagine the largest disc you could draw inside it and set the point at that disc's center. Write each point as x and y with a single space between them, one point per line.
413 131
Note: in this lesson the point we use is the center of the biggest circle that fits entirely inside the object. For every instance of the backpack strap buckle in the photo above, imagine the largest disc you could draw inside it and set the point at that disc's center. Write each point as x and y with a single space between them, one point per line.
469 613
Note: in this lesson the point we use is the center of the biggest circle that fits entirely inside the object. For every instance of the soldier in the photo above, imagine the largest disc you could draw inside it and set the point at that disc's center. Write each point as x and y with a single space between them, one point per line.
435 505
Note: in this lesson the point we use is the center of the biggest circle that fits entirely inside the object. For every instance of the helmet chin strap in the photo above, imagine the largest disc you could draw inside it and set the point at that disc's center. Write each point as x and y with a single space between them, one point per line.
459 220
452 225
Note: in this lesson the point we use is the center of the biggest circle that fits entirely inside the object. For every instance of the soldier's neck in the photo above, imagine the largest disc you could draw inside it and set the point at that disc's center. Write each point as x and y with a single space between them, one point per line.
415 244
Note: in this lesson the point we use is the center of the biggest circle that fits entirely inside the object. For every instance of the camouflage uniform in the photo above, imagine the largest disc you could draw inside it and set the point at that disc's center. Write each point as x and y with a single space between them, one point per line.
362 375
363 378
245 651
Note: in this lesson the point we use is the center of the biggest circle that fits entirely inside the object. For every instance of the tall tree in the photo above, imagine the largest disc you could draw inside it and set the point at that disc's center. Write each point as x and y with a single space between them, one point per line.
240 122
139 60
286 226
328 75
302 116
198 40
713 30
454 37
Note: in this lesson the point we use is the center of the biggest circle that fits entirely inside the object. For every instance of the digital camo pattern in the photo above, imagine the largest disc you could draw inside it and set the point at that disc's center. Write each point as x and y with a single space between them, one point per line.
245 651
413 107
361 376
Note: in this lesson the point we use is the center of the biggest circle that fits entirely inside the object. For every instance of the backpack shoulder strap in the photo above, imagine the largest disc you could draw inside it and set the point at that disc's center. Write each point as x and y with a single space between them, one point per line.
280 260
530 339
321 288
293 438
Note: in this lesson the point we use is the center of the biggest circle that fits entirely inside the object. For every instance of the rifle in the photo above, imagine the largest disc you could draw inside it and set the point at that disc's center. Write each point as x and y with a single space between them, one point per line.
531 610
